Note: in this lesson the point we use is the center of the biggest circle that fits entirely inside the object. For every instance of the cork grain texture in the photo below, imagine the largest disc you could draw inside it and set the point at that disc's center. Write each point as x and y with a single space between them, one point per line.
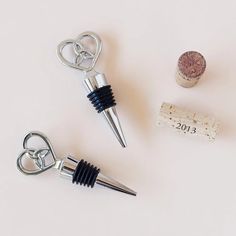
188 122
190 68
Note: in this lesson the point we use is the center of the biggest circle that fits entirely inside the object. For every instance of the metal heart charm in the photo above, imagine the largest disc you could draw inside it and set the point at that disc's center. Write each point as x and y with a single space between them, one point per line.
41 159
85 58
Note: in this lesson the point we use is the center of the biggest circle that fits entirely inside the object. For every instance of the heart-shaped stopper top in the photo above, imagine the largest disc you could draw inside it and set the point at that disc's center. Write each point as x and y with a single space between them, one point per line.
39 159
86 49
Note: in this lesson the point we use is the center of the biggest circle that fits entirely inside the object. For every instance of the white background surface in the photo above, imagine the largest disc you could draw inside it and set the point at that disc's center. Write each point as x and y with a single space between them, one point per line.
186 186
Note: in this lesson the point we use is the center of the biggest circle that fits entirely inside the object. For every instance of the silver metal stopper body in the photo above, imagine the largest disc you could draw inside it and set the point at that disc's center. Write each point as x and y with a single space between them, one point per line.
99 92
69 165
34 160
95 83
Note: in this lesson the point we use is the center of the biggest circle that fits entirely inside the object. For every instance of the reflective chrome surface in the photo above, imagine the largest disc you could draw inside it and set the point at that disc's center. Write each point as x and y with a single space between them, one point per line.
113 184
94 81
111 116
67 167
97 81
39 157
85 58
36 156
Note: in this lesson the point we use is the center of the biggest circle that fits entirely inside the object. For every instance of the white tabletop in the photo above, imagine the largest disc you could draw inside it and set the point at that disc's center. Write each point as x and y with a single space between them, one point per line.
186 185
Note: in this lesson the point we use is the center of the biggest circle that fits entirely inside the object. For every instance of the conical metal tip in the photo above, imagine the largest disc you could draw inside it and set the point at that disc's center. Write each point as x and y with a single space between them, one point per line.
111 116
95 83
113 184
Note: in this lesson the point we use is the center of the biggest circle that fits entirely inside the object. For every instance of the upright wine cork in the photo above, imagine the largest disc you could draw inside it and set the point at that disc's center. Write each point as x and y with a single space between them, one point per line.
191 66
188 122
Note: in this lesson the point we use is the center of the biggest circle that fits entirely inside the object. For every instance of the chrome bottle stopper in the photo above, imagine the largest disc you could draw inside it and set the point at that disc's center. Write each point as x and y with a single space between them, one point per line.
34 160
99 91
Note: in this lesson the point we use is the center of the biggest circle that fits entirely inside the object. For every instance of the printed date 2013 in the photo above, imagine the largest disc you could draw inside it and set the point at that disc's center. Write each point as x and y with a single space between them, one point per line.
186 128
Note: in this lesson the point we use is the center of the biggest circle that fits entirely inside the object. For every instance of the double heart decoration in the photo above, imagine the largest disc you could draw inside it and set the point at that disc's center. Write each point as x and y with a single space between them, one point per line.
85 57
41 159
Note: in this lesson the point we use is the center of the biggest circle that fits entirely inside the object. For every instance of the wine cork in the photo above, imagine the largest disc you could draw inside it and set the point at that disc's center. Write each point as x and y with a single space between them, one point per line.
190 68
188 122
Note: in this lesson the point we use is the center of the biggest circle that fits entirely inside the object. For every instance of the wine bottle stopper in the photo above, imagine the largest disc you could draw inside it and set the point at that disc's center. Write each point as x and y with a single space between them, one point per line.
188 122
86 49
79 171
190 68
